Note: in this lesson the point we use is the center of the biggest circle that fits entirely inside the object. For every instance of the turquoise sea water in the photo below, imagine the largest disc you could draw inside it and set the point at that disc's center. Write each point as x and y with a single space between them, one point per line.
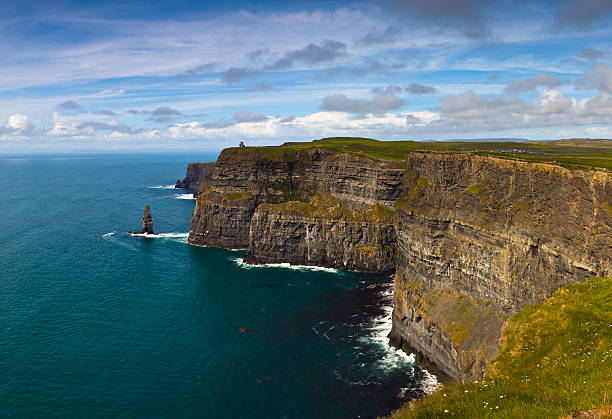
94 324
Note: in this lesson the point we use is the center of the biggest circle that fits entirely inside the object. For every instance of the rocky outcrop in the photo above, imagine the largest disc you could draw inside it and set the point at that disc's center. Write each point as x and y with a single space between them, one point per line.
350 226
221 221
147 222
479 238
472 239
197 173
344 243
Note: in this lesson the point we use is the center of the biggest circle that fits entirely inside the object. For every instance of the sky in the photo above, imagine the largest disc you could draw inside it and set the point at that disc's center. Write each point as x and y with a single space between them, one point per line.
121 75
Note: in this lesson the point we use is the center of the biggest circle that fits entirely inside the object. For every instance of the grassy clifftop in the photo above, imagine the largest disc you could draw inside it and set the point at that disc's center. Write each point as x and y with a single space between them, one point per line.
583 153
555 361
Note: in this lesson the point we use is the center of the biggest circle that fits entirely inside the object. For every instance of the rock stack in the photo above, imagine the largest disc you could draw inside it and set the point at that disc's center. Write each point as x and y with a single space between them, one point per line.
147 222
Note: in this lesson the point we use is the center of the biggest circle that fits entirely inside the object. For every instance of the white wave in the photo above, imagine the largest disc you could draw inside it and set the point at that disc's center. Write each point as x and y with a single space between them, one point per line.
181 237
109 234
184 196
394 358
161 187
430 383
240 262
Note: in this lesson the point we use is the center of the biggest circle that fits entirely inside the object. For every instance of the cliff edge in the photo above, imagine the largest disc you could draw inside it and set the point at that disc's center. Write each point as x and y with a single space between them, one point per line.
472 238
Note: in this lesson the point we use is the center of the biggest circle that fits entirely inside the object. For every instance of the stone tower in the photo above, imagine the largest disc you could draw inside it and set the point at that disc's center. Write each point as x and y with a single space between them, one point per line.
147 221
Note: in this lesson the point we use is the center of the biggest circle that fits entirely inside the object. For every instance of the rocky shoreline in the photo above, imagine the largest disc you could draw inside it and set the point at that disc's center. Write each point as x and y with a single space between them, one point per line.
472 239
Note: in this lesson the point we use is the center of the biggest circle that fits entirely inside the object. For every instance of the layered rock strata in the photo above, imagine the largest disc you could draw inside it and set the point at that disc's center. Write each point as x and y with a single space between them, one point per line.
479 238
197 173
147 222
312 207
472 239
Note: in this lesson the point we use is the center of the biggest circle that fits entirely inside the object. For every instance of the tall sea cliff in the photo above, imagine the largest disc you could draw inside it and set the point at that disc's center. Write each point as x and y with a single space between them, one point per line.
471 238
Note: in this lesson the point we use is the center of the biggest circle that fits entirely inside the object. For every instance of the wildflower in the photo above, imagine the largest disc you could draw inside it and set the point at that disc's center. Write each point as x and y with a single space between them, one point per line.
445 410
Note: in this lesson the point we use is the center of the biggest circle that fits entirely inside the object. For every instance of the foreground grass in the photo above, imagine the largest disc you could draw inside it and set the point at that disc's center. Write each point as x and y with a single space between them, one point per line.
580 153
555 361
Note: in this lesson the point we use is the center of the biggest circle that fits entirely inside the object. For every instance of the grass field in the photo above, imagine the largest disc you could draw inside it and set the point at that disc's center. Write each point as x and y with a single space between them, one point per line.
580 153
555 361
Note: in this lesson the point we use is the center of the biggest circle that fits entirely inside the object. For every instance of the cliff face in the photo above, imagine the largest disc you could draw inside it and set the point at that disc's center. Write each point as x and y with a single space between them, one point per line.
339 242
472 239
196 174
479 238
312 207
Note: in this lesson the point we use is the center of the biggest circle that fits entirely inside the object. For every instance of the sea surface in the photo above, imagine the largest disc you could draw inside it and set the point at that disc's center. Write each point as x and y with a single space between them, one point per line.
97 323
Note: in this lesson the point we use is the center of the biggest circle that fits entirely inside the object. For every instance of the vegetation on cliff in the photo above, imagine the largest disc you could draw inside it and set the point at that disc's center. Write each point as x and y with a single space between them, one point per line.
555 361
331 207
582 153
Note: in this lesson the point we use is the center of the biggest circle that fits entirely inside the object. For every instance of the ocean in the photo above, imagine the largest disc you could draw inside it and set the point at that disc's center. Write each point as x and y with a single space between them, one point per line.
97 323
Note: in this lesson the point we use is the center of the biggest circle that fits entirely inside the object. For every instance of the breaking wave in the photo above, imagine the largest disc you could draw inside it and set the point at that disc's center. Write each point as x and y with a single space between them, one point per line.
181 237
184 196
240 262
161 187
392 358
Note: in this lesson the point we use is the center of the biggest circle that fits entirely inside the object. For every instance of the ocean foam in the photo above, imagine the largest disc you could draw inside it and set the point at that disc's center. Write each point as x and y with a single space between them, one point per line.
394 358
162 187
181 237
240 262
184 196
109 234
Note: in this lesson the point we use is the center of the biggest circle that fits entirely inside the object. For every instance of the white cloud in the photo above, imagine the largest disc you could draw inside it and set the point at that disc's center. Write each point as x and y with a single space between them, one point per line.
120 136
315 125
63 127
17 127
18 122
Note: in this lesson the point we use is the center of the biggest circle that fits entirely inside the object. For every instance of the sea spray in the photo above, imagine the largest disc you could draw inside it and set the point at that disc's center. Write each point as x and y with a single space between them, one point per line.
240 262
184 196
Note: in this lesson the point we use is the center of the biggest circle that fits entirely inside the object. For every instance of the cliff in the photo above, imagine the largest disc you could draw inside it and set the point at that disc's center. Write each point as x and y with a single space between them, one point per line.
311 207
472 238
553 363
479 238
196 174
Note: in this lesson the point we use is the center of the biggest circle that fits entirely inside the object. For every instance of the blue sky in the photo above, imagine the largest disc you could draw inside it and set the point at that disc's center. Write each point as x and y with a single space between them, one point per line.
119 75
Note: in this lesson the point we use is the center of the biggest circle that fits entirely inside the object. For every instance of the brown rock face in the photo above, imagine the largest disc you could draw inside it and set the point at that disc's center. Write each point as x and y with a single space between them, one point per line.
472 239
334 242
147 221
230 213
197 173
491 236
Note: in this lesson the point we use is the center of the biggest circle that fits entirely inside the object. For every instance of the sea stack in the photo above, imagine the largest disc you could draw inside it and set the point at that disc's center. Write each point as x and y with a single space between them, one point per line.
147 221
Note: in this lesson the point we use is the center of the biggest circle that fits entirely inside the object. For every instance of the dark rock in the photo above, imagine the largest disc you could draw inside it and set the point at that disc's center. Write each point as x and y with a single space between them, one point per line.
147 222
473 239
230 213
197 173
479 238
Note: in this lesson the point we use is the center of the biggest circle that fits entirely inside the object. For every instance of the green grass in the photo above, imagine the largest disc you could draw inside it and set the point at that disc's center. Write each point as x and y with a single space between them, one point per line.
579 153
237 196
331 207
555 360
